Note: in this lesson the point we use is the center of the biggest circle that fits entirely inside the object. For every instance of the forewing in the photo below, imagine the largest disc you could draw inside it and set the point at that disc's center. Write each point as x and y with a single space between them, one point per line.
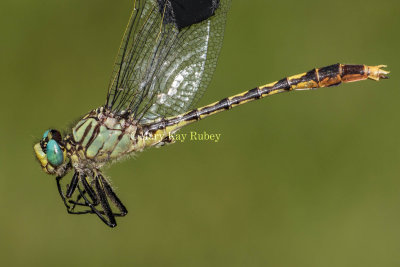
160 70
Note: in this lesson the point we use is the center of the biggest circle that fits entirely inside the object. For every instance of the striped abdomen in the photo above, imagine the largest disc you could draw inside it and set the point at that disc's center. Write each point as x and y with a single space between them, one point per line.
324 77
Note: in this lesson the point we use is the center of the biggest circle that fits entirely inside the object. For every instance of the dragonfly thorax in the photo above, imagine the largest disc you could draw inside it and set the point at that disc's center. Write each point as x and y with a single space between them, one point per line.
102 136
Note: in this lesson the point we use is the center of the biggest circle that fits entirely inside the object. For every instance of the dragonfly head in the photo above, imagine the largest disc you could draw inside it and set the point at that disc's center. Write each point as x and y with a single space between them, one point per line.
51 152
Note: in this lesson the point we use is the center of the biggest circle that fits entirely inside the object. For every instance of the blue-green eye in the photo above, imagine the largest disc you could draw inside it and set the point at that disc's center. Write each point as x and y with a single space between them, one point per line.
54 153
46 133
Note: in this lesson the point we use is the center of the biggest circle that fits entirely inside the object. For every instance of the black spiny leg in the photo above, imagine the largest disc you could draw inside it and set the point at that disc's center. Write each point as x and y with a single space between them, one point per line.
87 189
72 186
66 169
91 192
113 197
58 179
98 191
104 204
100 214
106 215
76 201
63 197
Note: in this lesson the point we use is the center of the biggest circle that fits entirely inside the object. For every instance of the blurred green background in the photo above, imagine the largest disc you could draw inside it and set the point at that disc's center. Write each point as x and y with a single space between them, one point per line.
299 179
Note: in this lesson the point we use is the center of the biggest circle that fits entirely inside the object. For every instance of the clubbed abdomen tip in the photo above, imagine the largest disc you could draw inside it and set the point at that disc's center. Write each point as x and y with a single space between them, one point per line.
377 72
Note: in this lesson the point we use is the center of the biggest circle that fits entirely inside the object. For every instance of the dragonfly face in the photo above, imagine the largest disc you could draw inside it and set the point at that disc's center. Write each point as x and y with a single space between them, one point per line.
51 152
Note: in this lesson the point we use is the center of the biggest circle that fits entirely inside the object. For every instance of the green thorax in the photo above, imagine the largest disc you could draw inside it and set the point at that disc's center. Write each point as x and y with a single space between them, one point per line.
100 137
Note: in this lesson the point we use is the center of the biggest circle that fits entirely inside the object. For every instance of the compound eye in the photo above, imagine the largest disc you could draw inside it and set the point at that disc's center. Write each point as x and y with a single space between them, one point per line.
46 133
52 134
56 135
54 153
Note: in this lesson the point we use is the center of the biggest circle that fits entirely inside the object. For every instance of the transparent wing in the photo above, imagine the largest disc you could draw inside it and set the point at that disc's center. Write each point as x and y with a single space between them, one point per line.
161 70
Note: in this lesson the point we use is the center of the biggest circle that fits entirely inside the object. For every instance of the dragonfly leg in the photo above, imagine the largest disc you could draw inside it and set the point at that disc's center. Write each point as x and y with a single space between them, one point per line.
76 201
113 197
63 197
89 190
58 179
87 203
66 169
70 190
92 195
72 186
107 217
98 191
93 209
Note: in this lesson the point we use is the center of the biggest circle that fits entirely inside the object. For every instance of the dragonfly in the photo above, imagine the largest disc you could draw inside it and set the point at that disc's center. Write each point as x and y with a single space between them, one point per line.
164 64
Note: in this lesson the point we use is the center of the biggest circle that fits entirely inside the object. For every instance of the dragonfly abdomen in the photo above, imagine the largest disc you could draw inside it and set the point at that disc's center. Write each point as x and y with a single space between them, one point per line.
332 75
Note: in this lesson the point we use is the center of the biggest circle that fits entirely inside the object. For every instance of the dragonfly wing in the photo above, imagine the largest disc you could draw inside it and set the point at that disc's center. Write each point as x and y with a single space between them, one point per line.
162 69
